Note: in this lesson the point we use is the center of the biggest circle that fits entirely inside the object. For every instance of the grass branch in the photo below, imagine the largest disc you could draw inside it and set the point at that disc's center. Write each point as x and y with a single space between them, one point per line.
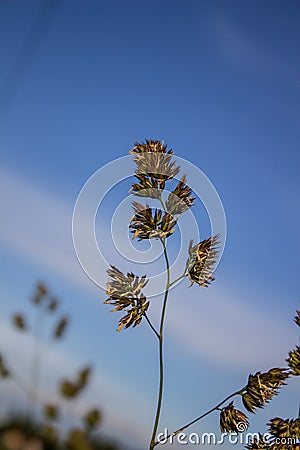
161 358
215 408
178 279
151 326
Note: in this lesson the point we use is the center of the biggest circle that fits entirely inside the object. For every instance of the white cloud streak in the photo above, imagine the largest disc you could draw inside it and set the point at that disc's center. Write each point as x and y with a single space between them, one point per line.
214 324
38 226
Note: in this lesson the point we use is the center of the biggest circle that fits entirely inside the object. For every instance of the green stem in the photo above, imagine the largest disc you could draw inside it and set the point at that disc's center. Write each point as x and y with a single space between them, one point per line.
178 279
150 325
35 366
161 359
215 408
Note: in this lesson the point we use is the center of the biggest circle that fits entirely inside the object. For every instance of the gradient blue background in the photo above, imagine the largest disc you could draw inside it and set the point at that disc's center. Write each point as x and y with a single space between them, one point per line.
80 82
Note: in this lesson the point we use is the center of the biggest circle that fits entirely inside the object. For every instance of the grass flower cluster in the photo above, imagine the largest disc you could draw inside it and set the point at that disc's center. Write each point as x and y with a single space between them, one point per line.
155 167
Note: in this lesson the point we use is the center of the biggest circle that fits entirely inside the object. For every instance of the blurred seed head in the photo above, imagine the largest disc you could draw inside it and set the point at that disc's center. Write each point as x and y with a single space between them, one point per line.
92 418
41 289
41 292
53 304
201 262
4 371
262 387
83 377
61 327
78 440
51 411
19 322
297 318
68 389
231 418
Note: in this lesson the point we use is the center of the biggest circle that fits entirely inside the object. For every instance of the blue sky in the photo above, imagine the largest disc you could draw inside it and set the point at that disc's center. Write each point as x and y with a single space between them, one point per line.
80 82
